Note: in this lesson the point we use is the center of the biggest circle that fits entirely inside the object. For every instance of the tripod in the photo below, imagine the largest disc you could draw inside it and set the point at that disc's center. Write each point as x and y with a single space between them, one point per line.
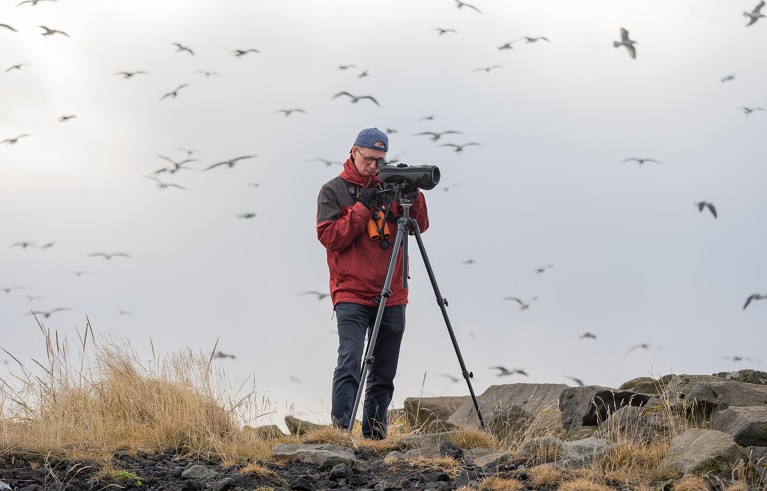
405 225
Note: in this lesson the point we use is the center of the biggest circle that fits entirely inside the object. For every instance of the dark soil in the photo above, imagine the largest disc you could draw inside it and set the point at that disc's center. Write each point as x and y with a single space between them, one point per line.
166 471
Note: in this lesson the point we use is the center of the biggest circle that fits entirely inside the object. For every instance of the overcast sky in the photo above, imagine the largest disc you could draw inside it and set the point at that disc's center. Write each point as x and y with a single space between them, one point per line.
634 260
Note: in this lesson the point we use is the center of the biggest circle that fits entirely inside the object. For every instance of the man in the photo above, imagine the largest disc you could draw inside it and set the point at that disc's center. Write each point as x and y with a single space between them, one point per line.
358 267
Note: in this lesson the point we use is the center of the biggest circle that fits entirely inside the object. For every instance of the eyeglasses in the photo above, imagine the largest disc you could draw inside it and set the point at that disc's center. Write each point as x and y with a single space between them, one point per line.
368 160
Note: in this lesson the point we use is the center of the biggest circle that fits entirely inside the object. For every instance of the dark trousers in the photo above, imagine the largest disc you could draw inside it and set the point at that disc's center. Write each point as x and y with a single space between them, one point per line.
354 322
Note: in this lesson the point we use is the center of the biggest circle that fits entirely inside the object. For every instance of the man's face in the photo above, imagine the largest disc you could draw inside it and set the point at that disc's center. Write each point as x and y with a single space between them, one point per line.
365 160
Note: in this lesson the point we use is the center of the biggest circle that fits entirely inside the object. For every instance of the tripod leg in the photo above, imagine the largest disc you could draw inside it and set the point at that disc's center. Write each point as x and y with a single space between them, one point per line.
385 293
442 305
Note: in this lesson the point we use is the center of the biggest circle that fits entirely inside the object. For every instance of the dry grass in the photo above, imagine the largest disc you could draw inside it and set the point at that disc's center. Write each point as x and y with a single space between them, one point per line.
106 399
581 484
690 483
468 438
545 475
494 483
448 465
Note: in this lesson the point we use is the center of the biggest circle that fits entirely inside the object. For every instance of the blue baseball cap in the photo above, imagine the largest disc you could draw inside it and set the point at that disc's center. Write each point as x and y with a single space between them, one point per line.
368 137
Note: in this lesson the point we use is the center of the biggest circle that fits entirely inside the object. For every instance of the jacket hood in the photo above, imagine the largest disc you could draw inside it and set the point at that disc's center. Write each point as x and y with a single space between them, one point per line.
352 175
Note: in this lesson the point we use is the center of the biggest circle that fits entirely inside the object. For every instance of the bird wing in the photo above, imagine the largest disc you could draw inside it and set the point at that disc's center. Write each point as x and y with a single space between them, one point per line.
759 7
632 50
342 93
712 209
520 302
748 300
8 27
215 165
371 98
624 35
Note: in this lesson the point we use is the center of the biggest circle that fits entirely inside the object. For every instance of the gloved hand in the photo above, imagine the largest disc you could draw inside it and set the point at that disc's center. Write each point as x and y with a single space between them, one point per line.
367 196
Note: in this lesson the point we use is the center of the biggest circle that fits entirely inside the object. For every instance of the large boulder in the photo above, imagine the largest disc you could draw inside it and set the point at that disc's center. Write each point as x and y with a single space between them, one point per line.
747 425
591 405
699 451
509 409
700 395
420 412
748 375
639 425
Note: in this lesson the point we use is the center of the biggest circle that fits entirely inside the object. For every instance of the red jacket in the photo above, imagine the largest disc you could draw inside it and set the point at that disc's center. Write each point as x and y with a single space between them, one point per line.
358 264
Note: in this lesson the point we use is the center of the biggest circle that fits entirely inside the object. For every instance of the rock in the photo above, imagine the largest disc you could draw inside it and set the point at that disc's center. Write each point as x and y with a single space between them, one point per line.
575 454
510 409
318 454
198 472
698 451
591 405
638 425
267 432
300 427
450 449
700 395
747 425
748 376
642 385
421 411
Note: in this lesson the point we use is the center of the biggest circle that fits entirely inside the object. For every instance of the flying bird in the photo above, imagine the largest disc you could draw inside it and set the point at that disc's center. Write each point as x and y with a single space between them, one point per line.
506 45
755 296
728 78
174 93
288 112
8 27
15 67
327 162
487 69
243 52
748 110
221 354
436 135
165 185
66 117
23 244
503 371
529 39
34 2
108 256
51 32
644 346
9 289
577 381
628 43
755 14
640 161
705 204
460 5
364 73
177 165
737 358
208 73
588 335
442 31
47 313
319 295
181 47
231 162
247 215
453 378
127 75
345 67
522 305
459 148
469 261
13 141
543 269
355 98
